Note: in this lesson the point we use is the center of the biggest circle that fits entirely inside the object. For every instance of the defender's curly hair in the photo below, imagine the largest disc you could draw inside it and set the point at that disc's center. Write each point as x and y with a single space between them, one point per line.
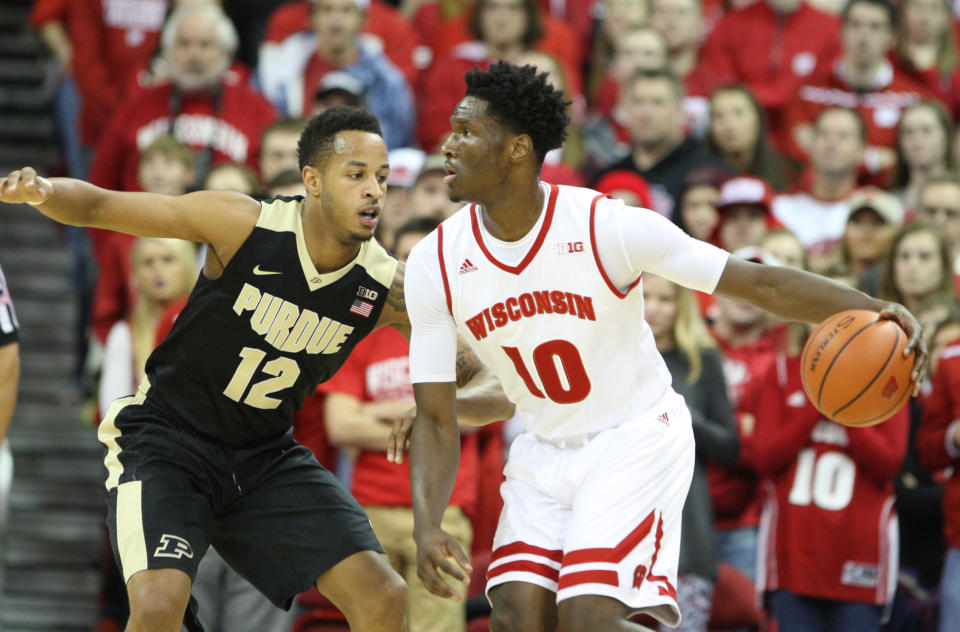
523 101
316 140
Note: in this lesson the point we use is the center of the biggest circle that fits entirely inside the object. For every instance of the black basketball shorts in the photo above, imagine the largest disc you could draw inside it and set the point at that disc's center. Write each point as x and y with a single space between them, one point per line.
272 511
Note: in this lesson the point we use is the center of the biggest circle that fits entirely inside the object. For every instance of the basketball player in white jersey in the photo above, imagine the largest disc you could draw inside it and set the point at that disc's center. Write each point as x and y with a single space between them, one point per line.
541 281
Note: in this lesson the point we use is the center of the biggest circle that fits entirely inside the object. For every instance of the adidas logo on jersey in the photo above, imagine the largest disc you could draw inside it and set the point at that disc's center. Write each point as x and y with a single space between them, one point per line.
466 266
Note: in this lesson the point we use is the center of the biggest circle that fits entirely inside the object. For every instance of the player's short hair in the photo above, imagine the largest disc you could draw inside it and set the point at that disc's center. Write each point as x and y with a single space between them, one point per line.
885 5
418 225
170 147
861 126
284 124
522 100
316 141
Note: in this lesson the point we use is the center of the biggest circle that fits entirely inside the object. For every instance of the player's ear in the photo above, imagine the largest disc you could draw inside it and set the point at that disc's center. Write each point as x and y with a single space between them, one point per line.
312 180
521 147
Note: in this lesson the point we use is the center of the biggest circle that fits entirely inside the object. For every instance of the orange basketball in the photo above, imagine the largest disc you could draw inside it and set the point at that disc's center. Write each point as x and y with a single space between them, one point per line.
854 370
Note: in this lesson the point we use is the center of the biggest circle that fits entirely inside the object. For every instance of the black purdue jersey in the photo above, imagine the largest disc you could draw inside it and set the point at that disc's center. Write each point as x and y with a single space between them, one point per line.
251 344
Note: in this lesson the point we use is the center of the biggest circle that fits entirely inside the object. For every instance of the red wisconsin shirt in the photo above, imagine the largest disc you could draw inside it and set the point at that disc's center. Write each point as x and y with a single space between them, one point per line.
734 490
378 369
829 525
770 52
233 132
934 443
880 107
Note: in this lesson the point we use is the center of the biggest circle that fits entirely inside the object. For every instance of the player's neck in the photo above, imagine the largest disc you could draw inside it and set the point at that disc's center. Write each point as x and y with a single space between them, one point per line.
326 249
509 217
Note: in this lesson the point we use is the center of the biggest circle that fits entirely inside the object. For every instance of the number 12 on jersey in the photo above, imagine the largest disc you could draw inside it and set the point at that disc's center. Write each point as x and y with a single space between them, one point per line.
284 371
550 359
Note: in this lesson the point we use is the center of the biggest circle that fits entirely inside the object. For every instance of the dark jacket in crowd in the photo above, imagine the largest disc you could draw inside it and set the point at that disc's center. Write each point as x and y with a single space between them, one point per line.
715 432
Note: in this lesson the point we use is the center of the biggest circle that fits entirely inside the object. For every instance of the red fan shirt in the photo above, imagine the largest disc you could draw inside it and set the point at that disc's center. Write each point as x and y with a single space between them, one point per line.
772 53
112 39
880 106
934 442
734 490
829 528
378 369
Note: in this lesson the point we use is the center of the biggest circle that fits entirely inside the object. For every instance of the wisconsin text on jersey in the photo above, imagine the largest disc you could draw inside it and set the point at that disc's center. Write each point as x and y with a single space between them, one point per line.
530 304
288 327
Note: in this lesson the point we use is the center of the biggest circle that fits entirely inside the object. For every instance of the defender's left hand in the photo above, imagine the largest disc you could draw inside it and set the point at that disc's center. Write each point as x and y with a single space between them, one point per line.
902 316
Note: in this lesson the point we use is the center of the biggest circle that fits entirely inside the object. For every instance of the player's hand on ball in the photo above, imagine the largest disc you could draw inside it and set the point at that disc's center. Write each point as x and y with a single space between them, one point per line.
399 441
902 316
437 551
25 186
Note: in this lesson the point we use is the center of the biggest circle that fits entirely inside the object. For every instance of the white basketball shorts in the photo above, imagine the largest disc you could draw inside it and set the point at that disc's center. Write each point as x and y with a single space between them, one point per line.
599 516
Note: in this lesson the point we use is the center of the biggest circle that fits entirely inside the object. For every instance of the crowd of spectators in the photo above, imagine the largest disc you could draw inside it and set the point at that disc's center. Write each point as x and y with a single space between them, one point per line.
817 134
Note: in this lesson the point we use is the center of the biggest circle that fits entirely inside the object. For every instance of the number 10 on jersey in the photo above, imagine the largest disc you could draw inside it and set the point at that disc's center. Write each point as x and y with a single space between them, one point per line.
550 359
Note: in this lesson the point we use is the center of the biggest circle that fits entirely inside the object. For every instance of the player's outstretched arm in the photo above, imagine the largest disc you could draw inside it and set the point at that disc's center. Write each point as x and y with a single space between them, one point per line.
806 297
220 218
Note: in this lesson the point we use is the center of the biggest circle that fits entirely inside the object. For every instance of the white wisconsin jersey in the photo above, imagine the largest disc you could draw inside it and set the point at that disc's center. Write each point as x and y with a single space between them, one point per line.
571 351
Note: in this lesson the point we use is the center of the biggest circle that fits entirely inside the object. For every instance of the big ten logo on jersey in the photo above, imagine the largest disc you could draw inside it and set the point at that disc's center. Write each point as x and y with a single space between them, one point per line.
530 304
287 327
565 247
368 294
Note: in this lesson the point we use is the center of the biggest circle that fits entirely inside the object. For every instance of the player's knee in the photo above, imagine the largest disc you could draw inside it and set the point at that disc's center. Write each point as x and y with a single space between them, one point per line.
390 604
395 596
158 600
158 615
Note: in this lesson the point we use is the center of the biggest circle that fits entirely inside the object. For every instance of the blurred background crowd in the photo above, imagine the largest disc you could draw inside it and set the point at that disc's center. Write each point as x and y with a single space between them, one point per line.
816 134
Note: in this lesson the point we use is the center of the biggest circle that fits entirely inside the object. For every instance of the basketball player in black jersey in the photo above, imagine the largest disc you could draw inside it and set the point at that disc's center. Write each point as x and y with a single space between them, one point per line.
203 453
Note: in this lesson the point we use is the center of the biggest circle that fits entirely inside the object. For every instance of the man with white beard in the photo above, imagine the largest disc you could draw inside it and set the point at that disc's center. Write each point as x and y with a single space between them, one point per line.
201 102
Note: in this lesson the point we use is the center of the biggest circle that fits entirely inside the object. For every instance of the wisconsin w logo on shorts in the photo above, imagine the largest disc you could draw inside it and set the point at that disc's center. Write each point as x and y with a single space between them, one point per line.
173 546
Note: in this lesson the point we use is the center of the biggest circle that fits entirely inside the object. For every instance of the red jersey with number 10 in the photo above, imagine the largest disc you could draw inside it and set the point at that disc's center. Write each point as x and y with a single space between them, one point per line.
828 527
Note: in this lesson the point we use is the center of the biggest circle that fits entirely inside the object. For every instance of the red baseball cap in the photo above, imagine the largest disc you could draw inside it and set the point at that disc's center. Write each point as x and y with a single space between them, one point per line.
623 180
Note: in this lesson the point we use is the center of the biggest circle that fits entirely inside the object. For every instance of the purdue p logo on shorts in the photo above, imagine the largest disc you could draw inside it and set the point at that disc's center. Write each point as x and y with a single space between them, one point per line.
173 546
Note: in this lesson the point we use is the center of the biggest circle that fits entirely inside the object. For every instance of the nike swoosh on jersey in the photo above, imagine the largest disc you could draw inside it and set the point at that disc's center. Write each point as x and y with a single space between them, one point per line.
259 272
